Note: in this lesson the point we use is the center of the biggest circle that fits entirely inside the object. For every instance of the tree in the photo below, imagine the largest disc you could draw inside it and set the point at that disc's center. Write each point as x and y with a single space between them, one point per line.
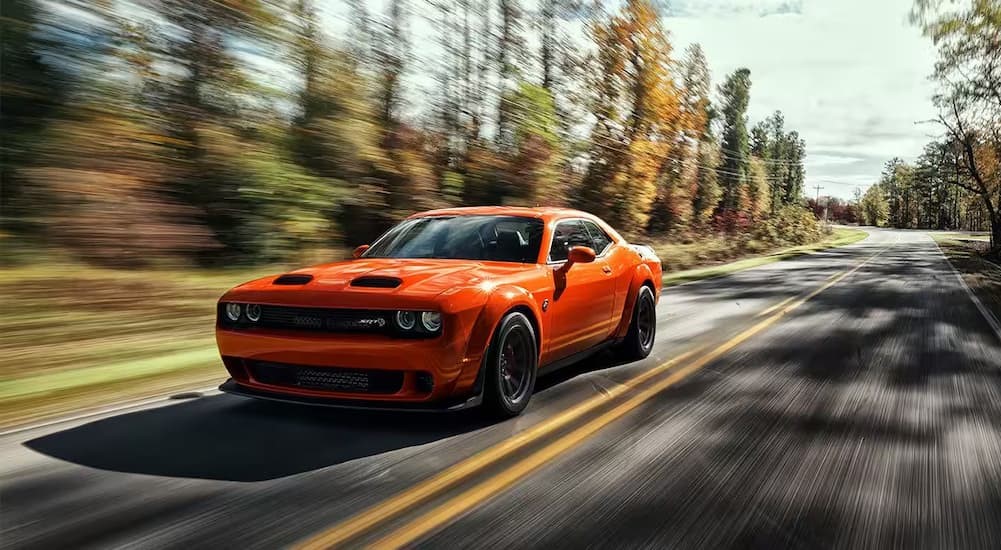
30 93
510 56
680 172
969 69
638 114
874 207
758 192
735 96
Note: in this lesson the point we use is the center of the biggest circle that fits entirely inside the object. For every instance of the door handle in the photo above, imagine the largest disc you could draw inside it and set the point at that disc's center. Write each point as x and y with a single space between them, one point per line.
606 269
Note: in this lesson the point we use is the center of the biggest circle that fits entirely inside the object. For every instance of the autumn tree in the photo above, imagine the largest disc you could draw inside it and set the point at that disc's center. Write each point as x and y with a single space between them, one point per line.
680 174
637 111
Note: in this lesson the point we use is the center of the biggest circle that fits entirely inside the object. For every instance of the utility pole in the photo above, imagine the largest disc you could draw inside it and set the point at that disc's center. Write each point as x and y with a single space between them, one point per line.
818 188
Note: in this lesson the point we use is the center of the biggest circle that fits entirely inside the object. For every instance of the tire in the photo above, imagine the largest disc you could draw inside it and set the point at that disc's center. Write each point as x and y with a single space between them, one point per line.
639 340
510 367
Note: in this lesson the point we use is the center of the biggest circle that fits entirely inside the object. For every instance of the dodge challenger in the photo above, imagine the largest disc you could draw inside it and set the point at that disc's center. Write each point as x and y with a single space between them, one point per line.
450 309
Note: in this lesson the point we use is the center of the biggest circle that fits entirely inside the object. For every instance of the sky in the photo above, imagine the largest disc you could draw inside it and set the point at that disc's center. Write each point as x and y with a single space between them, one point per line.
851 76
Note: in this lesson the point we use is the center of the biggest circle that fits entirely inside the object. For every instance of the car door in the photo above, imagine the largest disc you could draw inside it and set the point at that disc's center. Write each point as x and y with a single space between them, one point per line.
582 303
619 260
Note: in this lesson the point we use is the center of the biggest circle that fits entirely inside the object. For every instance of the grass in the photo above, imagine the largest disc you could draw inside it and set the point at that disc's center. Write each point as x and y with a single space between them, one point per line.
967 255
839 237
75 336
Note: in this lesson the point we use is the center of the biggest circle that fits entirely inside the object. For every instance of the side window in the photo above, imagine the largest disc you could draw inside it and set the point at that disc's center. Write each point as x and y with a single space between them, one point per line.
598 236
567 234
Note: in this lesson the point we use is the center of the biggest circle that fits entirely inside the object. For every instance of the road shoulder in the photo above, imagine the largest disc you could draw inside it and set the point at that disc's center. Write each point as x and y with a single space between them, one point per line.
980 276
841 237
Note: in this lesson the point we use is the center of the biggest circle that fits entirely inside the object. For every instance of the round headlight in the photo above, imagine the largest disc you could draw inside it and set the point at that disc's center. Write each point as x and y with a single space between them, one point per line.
431 321
233 312
406 320
254 312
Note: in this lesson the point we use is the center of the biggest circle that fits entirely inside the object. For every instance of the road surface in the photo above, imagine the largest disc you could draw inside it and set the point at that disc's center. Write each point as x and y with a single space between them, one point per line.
850 398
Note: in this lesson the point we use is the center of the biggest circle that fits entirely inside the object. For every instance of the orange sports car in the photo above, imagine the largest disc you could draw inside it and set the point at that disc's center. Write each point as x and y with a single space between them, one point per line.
447 310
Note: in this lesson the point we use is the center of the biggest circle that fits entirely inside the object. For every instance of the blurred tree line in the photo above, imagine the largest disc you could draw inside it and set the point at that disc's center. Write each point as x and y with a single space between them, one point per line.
931 193
144 129
956 182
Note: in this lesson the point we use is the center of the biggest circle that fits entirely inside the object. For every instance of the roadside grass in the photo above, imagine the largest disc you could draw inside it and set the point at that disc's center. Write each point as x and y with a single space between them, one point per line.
669 253
74 336
983 276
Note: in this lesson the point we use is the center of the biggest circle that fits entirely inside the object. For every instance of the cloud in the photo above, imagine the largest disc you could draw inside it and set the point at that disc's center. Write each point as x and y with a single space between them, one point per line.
727 8
851 76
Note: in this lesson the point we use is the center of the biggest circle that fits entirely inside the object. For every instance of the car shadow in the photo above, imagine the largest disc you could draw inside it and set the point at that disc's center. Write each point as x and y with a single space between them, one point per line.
229 438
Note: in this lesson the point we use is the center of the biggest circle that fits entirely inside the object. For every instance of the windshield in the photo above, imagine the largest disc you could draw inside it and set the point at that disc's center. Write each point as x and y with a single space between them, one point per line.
492 238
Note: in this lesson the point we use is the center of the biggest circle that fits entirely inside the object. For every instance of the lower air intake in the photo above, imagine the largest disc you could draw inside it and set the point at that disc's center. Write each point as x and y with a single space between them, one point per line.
332 379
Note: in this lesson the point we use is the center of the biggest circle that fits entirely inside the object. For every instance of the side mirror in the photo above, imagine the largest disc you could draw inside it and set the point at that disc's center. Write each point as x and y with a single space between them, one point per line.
359 251
578 255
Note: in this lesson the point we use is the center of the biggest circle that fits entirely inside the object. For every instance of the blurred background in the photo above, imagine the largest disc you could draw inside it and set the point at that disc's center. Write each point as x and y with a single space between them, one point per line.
156 153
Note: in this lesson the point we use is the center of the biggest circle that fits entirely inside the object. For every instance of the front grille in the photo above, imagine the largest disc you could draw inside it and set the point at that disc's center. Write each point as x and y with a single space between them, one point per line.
326 378
315 319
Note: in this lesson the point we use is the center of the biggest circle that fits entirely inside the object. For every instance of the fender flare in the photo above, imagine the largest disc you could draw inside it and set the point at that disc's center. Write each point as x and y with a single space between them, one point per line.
501 300
641 275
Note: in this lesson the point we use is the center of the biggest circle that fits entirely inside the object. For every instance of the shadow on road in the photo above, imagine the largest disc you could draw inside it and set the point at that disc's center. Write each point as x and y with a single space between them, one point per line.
235 439
231 438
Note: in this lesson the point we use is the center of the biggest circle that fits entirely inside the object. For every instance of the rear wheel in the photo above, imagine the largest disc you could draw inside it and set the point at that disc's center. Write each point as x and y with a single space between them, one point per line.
642 328
510 367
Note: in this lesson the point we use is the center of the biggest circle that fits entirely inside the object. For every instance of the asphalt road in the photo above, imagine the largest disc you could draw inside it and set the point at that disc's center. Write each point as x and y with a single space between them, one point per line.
865 414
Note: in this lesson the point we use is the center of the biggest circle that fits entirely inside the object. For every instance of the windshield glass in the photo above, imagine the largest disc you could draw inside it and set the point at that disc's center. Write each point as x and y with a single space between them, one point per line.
493 238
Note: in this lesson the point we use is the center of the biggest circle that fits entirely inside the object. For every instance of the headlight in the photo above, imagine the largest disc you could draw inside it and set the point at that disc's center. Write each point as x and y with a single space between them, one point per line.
406 320
417 323
233 312
254 312
431 321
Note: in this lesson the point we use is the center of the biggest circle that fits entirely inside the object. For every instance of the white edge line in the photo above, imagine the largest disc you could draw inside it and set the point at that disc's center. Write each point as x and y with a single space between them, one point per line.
986 313
105 411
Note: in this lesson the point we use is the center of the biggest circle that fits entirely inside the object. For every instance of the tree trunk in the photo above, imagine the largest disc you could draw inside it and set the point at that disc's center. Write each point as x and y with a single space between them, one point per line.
996 232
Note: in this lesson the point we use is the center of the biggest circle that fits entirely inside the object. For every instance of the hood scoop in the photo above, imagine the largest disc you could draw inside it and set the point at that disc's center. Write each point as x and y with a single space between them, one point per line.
292 279
377 282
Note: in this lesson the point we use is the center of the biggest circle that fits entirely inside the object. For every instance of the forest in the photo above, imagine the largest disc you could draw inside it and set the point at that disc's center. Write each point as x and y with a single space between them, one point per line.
956 182
142 132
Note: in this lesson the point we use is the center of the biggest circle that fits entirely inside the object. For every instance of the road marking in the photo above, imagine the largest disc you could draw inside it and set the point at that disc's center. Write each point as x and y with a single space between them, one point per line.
449 510
438 516
378 513
984 312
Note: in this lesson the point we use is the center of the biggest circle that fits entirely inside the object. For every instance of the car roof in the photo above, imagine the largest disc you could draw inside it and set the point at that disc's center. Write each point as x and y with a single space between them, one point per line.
544 212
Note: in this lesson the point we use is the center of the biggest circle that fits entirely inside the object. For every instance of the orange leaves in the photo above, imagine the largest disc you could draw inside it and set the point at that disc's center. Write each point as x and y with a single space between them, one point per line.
638 103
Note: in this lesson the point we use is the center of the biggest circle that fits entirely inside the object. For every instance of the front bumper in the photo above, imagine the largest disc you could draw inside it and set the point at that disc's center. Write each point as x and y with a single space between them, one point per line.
449 405
444 359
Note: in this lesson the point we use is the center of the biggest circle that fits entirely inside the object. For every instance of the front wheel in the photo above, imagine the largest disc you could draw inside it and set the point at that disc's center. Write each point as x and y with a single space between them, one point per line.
510 367
642 329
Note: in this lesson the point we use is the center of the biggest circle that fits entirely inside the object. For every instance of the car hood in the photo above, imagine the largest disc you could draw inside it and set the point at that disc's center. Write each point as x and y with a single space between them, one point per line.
378 282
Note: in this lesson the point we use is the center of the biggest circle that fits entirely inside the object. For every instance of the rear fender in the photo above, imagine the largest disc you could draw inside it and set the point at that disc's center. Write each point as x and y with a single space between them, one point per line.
641 274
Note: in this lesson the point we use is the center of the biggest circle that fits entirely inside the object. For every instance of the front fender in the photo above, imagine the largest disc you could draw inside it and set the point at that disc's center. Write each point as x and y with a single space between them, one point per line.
502 300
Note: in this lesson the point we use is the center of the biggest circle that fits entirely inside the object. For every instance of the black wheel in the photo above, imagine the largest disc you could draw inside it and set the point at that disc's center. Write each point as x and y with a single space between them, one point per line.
510 367
642 329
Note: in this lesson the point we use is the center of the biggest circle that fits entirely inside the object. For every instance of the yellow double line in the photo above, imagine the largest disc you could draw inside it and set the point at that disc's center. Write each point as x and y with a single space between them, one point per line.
467 499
